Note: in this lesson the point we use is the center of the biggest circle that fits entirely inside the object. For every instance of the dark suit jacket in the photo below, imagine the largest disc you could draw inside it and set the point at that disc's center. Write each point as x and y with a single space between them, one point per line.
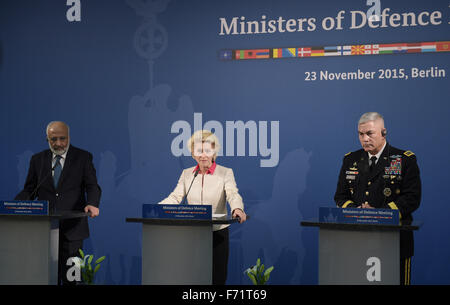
394 183
77 187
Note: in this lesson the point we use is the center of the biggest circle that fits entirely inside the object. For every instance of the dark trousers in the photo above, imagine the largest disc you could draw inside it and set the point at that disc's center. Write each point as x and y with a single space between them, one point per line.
220 256
67 249
405 271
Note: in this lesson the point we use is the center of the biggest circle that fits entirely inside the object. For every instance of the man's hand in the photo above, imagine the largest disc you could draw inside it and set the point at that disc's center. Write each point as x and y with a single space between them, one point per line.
92 211
241 214
366 206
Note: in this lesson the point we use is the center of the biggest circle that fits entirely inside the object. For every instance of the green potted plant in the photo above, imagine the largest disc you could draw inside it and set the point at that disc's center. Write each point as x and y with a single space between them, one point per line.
257 274
85 265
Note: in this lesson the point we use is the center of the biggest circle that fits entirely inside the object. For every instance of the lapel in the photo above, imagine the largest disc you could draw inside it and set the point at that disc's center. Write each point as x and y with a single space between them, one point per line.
67 163
363 166
47 168
381 163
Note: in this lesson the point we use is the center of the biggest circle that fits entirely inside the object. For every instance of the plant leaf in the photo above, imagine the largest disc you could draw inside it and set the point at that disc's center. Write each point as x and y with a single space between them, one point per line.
85 259
81 253
252 278
267 274
255 269
261 269
101 259
90 259
268 271
96 268
258 274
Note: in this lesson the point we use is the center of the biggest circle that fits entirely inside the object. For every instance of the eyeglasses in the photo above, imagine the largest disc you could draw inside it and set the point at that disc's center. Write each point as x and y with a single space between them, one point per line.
54 139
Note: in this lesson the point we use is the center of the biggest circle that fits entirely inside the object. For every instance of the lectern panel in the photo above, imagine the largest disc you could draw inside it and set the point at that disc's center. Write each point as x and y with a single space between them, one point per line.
359 257
28 251
176 255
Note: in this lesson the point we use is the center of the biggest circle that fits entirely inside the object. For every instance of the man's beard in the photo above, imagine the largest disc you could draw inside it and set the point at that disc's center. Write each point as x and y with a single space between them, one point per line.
59 152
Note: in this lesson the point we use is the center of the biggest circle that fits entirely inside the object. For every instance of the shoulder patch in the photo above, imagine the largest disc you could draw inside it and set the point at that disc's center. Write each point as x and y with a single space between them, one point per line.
348 153
408 153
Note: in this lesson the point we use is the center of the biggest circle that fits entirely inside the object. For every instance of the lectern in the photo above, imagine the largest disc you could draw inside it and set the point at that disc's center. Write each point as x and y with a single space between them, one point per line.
29 248
177 251
359 253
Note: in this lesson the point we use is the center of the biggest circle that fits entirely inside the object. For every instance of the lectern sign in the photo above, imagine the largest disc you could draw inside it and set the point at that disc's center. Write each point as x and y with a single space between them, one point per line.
177 211
359 216
24 207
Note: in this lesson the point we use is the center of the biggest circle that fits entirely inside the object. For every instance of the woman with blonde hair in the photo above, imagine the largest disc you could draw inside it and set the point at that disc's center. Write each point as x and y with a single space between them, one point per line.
215 185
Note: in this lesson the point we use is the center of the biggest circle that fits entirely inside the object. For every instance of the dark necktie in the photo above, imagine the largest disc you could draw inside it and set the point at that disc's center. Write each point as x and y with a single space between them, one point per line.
372 163
57 171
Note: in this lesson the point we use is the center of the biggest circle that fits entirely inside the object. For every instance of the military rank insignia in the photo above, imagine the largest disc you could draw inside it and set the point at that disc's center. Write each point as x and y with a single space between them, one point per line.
408 153
395 167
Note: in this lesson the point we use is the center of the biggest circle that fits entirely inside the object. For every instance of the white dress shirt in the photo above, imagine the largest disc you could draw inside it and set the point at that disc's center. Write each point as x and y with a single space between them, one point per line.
378 154
61 161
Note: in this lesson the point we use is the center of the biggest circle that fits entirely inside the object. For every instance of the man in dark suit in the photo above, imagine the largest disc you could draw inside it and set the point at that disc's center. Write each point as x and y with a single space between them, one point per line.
65 176
381 176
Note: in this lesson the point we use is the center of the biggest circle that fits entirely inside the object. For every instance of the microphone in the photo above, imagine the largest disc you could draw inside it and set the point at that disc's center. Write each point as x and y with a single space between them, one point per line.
40 183
185 196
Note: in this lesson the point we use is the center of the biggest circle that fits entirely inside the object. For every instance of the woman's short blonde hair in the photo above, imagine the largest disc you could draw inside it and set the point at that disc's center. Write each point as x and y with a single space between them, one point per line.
202 136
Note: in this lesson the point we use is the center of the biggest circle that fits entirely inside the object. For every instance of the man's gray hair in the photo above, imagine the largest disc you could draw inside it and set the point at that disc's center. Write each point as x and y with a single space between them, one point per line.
53 122
370 116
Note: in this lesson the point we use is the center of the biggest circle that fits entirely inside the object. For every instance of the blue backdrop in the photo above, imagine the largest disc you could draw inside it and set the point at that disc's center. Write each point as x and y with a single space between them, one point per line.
134 78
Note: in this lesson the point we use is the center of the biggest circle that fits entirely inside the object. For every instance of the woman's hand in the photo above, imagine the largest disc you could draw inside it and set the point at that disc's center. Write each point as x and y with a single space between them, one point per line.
239 213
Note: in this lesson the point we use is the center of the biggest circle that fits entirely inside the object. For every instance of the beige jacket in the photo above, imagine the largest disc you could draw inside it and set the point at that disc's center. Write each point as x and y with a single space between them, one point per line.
215 190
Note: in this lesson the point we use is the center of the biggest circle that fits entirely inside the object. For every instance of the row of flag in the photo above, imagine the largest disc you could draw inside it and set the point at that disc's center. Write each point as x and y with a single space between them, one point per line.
367 49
